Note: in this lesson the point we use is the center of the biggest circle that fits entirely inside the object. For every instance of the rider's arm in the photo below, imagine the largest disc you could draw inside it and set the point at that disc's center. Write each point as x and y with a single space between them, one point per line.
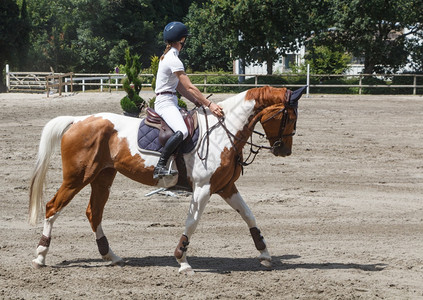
183 91
190 91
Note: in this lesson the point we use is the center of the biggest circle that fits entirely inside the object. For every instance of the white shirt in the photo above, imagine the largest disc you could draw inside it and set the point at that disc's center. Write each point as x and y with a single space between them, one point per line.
166 79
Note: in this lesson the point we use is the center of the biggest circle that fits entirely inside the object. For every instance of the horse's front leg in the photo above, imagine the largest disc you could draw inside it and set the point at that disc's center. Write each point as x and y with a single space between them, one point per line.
234 199
200 197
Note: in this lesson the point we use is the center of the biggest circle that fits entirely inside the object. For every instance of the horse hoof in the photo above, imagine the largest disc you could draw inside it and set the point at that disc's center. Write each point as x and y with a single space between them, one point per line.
113 258
265 259
37 265
186 270
266 263
119 263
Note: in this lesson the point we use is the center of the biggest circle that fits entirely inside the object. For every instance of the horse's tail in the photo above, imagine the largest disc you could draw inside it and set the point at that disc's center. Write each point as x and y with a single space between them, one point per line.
50 139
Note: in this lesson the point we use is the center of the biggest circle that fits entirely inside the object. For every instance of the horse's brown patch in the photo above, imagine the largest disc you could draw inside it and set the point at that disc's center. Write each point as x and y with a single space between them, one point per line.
132 166
91 152
266 96
226 174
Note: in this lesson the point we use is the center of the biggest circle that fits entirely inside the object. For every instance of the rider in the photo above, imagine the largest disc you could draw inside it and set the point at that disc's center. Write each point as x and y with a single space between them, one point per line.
170 78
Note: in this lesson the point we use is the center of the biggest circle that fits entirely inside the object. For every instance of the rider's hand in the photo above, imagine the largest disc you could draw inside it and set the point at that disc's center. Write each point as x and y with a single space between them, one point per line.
217 110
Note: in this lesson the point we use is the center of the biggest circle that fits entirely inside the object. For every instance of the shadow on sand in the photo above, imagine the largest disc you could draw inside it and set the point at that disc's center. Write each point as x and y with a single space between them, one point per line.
223 264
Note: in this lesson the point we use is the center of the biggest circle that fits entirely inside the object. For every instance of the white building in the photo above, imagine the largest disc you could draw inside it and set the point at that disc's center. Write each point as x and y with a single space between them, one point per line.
283 65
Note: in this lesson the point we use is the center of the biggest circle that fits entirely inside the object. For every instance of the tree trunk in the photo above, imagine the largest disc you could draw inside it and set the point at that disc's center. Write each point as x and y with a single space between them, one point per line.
3 87
269 66
369 65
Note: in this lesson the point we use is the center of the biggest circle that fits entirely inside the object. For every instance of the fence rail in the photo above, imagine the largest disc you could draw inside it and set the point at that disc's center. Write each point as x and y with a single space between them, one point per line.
36 81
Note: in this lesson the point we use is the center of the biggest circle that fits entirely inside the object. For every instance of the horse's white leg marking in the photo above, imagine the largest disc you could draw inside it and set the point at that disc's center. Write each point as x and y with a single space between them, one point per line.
103 247
237 203
44 244
200 198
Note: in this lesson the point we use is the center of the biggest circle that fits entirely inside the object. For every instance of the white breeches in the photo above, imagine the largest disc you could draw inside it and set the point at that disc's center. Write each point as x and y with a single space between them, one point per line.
167 108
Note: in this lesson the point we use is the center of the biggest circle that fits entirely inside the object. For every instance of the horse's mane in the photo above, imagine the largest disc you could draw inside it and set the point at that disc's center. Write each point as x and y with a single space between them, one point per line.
266 96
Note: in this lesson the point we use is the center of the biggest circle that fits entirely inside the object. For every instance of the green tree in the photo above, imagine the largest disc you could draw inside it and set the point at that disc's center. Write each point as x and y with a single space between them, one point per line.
208 48
257 31
267 29
324 60
54 25
415 48
13 31
91 35
374 30
23 41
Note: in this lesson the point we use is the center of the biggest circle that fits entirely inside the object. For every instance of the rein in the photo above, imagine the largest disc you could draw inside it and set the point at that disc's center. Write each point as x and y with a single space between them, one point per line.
232 137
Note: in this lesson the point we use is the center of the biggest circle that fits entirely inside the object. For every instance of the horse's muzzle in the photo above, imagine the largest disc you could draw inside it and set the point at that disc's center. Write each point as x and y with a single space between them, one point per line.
281 149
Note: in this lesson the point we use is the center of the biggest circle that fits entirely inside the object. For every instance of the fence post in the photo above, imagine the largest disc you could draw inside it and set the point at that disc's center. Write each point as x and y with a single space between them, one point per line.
83 85
415 85
7 77
308 81
359 83
116 82
255 80
205 82
60 85
66 85
101 85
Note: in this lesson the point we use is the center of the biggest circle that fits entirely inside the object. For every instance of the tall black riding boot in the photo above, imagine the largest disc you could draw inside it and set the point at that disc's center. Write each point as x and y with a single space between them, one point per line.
172 143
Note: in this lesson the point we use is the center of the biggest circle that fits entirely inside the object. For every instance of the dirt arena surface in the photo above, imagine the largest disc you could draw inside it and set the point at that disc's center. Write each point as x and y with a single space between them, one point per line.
342 216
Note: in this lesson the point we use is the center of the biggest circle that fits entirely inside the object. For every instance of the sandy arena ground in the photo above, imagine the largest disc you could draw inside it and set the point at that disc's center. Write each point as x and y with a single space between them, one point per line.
342 216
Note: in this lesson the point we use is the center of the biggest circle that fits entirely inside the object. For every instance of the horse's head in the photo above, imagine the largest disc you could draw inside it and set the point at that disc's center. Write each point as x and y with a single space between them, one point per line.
279 123
277 113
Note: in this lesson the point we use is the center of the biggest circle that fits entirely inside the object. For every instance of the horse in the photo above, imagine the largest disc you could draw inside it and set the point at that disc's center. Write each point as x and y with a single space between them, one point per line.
95 147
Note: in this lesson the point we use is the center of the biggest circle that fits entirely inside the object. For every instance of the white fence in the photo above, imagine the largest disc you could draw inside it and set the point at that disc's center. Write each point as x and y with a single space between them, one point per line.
36 81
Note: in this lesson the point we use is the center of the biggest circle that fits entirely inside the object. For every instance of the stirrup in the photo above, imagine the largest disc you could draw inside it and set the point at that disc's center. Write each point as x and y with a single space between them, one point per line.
160 172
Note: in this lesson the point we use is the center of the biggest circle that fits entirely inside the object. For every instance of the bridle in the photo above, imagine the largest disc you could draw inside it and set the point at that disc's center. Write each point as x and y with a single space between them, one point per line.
232 137
284 122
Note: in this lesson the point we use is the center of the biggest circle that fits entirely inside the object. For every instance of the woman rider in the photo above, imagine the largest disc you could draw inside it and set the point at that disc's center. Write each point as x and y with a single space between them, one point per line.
170 78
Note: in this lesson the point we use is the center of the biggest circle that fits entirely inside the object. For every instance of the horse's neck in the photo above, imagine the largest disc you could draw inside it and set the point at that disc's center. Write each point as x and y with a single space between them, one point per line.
237 112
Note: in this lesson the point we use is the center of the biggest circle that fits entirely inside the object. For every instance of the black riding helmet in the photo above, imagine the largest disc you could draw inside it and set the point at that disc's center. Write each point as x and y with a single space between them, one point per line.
174 31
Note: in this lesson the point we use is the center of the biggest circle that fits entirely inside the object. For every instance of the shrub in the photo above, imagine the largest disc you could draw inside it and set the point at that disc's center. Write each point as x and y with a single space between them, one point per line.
154 67
132 103
129 106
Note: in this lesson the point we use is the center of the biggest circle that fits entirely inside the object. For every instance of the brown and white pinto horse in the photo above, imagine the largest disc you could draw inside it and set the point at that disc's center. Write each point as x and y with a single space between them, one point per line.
95 147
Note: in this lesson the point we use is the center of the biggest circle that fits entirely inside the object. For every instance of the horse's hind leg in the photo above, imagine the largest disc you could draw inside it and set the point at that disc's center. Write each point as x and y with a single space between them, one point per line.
62 197
234 199
100 190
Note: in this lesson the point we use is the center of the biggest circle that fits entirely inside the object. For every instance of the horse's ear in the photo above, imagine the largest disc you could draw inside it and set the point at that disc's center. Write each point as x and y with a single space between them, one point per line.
296 95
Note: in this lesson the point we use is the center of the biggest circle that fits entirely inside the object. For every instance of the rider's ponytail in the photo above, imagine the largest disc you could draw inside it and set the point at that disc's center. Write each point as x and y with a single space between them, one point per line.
168 46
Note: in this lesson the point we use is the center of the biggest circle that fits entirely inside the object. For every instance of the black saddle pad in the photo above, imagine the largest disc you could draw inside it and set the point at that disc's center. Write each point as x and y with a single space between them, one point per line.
148 139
